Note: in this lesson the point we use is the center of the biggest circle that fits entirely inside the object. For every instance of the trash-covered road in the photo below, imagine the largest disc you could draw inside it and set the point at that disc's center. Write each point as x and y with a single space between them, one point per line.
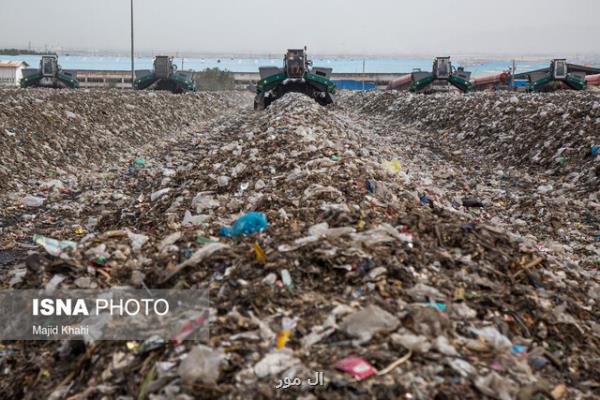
394 246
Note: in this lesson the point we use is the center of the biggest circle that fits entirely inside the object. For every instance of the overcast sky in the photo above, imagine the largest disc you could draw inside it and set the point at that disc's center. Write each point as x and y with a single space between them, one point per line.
327 26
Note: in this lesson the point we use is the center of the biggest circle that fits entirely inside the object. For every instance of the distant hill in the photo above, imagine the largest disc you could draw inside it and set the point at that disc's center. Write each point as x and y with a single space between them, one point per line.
17 52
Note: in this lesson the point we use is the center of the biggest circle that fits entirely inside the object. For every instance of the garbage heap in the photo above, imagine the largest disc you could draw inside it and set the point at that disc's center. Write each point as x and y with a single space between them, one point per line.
47 131
321 265
500 149
557 133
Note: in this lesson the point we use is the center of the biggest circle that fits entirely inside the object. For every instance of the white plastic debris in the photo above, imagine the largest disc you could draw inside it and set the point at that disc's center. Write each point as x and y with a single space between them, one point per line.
202 364
33 201
158 194
367 322
137 240
275 362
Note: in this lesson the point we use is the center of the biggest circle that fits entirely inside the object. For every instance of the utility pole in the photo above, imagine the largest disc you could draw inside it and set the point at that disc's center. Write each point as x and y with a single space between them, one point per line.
512 78
132 48
363 79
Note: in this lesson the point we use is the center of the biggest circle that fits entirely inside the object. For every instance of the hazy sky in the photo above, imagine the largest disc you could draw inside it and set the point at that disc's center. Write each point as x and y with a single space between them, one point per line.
326 26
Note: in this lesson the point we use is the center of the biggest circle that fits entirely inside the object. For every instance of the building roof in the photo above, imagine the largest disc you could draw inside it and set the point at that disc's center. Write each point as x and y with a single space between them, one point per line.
12 64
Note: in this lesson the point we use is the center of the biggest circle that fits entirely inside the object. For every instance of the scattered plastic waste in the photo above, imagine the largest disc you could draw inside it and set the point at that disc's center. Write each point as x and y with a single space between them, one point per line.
414 343
33 201
52 246
393 166
439 299
193 220
357 366
275 362
438 305
261 258
202 364
188 327
286 278
137 240
519 348
158 194
223 181
367 322
494 338
248 223
287 326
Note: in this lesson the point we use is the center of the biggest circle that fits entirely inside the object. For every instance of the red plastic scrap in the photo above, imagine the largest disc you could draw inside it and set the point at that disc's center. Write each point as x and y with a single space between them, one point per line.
357 366
187 328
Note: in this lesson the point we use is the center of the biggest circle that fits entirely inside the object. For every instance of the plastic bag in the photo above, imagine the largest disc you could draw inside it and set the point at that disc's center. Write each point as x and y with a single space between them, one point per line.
248 223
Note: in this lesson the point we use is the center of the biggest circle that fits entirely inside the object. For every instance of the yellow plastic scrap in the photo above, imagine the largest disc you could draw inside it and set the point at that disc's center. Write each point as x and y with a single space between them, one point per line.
133 346
287 326
79 230
360 224
260 253
282 338
393 166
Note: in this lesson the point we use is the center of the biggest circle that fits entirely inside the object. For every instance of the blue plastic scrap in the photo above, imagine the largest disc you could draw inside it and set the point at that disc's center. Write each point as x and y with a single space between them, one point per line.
246 224
519 348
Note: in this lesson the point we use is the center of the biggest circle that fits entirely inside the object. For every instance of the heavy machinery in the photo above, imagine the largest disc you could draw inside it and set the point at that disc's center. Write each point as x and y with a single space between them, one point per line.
559 75
557 72
297 75
49 75
165 77
443 73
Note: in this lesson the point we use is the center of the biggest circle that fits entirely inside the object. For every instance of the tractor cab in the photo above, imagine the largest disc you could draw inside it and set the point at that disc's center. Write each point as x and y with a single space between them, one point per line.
49 66
295 63
442 68
163 67
559 69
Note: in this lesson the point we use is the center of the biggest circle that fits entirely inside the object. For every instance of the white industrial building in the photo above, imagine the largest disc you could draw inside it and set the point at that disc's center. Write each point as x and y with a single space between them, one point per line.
11 72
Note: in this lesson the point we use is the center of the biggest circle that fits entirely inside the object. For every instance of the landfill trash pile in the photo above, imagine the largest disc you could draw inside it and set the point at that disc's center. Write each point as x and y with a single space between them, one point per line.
529 163
44 132
330 274
554 132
